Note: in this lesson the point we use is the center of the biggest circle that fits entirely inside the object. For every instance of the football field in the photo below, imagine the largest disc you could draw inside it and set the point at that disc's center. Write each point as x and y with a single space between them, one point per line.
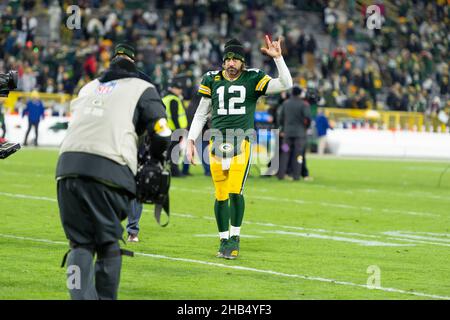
363 229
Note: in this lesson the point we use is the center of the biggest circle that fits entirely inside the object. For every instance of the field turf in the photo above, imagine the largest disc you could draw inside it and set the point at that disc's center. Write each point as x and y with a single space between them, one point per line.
359 220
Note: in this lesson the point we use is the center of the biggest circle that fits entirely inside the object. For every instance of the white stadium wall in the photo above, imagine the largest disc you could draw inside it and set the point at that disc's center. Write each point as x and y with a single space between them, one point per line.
386 143
16 127
342 142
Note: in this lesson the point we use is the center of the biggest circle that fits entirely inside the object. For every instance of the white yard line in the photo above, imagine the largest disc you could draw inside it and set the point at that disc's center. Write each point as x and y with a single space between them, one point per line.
322 203
419 241
25 196
242 268
406 234
446 235
370 243
413 194
184 215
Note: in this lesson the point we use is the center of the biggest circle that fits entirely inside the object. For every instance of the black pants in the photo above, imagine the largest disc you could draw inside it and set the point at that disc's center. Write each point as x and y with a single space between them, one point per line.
91 215
291 152
174 158
36 129
304 170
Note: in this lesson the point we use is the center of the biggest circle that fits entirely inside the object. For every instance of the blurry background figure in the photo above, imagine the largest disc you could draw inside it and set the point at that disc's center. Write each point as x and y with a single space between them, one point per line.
322 126
294 119
35 111
135 213
54 15
176 118
133 221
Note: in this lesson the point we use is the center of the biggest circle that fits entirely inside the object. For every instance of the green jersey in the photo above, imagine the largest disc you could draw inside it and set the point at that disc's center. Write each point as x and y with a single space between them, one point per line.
234 102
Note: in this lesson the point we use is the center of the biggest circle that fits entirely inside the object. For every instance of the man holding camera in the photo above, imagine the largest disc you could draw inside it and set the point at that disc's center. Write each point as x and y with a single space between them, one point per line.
97 167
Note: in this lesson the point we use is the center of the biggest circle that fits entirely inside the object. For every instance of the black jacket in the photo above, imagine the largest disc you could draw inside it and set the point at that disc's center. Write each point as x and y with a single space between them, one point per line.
293 118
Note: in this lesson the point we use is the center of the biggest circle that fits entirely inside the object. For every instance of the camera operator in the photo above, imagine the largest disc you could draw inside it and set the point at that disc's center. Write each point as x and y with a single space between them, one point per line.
97 167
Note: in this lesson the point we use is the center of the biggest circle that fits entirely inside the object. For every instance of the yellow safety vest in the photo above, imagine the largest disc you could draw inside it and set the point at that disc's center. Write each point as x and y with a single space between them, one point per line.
182 119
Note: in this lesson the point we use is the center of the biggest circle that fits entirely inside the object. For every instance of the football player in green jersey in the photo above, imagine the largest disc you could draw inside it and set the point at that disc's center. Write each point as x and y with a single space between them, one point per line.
229 96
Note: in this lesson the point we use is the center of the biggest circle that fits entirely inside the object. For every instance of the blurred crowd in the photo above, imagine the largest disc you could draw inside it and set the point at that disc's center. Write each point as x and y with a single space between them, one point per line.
403 66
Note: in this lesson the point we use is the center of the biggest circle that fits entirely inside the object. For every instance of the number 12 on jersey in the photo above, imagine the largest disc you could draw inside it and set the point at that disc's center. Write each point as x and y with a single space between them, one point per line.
232 102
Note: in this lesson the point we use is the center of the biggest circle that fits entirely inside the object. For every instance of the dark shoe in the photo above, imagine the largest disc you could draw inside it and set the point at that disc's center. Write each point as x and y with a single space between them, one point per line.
222 247
232 248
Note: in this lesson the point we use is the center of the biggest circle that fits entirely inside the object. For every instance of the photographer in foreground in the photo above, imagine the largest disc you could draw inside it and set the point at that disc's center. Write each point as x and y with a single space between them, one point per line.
97 167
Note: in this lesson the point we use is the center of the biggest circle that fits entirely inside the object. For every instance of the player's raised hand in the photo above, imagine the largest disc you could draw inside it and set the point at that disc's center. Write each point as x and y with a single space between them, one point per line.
272 48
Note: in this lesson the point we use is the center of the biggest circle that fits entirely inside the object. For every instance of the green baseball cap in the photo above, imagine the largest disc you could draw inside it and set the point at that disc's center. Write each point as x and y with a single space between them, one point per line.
125 49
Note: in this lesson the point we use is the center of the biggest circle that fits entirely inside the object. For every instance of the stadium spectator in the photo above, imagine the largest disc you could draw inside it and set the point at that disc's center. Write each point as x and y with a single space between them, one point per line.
176 118
35 112
409 48
55 16
28 80
322 126
134 215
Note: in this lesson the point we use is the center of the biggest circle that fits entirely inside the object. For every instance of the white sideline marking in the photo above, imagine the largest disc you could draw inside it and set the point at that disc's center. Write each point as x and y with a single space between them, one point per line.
321 203
241 268
268 224
430 233
318 230
33 239
343 239
412 213
419 241
404 234
423 168
247 222
413 194
311 229
25 196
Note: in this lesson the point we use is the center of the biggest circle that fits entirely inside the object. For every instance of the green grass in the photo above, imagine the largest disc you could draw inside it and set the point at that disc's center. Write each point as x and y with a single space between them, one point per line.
316 229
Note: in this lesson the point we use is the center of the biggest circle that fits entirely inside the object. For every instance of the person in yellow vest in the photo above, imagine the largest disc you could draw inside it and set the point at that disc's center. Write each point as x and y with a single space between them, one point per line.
176 118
